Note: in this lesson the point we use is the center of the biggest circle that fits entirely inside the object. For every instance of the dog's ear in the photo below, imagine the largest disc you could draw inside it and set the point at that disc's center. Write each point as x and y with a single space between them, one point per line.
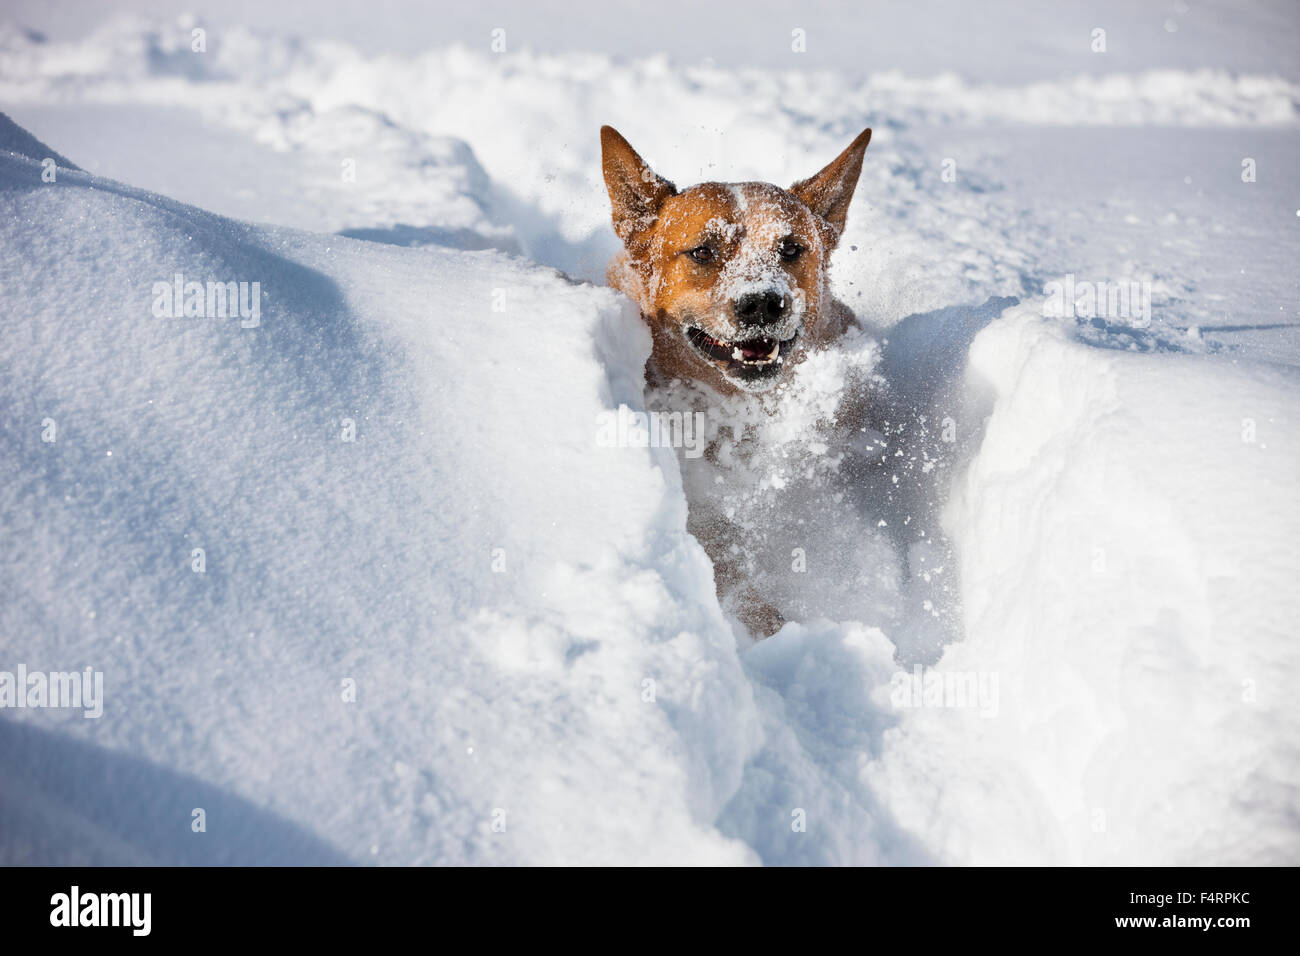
635 192
829 192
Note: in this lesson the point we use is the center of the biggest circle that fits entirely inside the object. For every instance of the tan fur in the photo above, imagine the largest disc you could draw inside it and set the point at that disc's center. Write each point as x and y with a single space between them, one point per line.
744 224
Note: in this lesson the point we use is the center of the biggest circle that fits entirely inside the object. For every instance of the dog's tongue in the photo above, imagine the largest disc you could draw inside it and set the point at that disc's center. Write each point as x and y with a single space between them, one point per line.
756 349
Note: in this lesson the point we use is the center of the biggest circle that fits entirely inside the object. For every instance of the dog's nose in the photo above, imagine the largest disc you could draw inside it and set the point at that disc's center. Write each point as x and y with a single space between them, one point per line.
760 308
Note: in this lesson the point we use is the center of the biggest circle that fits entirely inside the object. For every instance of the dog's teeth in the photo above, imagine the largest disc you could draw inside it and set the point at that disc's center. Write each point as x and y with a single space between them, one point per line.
776 350
737 354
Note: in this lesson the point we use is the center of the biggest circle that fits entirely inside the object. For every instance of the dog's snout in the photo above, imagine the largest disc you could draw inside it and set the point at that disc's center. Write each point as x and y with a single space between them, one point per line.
761 308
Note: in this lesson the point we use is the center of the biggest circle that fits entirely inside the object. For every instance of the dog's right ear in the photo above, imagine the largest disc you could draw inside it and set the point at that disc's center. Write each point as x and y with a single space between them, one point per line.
636 192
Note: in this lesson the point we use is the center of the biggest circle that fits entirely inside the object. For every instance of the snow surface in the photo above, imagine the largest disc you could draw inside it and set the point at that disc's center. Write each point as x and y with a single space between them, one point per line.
1106 547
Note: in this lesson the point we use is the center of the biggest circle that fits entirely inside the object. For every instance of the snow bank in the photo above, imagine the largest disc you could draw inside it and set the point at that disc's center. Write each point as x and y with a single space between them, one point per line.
1126 537
392 483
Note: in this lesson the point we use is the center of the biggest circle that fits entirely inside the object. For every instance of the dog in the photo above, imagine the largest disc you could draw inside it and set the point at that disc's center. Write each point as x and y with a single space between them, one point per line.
732 281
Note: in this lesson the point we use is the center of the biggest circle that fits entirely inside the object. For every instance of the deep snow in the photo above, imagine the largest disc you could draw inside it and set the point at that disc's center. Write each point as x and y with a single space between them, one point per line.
533 635
371 560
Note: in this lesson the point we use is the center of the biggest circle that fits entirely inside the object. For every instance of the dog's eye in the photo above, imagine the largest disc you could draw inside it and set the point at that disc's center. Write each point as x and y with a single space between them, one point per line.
789 249
702 254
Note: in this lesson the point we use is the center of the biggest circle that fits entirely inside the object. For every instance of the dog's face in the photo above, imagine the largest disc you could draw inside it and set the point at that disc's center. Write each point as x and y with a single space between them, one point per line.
732 277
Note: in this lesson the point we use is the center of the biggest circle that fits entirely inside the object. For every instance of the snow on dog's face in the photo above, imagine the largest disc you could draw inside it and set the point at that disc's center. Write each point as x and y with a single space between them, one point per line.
731 277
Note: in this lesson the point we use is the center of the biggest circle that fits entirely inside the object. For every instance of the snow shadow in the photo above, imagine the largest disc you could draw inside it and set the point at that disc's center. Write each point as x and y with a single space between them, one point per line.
466 240
65 802
17 140
927 438
541 238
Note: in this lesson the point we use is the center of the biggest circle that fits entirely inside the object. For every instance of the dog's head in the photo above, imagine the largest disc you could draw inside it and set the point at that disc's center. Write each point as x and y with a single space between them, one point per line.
732 277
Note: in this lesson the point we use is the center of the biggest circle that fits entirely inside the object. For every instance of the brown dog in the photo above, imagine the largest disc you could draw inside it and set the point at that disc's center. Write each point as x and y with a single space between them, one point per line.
731 279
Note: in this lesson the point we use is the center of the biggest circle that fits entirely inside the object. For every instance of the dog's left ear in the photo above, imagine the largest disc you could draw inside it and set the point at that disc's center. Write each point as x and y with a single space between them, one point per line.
829 192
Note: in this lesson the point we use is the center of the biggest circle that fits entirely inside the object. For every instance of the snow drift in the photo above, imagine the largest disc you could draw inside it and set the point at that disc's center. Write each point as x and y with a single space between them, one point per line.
1126 539
500 655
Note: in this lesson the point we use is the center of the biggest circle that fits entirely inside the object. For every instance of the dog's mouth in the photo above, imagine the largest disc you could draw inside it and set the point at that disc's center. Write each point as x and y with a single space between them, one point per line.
750 360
